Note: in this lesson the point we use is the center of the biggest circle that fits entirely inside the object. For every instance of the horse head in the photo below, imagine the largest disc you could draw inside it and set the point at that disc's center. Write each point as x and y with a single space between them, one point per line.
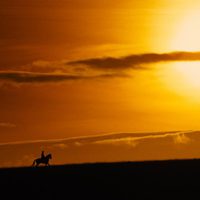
49 156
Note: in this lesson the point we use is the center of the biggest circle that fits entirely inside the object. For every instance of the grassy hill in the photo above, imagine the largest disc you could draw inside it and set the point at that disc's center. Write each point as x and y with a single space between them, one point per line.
101 180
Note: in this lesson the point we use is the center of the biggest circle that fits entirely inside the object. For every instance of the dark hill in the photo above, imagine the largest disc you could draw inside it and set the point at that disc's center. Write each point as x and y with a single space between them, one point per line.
101 180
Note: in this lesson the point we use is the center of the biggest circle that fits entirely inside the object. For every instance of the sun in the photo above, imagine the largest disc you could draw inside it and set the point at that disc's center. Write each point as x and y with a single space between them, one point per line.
184 77
187 33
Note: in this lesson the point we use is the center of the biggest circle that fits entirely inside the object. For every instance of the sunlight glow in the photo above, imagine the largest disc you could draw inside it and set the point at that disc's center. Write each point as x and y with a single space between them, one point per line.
190 73
183 78
187 33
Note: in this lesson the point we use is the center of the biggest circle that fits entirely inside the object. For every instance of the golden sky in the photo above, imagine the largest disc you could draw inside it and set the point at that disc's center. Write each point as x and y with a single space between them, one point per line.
73 68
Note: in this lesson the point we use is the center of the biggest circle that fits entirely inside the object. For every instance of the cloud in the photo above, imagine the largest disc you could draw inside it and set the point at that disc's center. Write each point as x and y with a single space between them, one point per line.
89 69
131 142
136 61
60 145
7 125
181 139
115 139
177 137
30 77
35 77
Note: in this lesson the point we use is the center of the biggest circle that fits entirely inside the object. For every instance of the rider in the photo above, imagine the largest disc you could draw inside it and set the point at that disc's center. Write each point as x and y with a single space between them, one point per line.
42 155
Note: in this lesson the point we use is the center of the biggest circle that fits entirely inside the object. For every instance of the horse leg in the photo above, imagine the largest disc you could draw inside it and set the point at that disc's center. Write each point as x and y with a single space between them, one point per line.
47 163
33 163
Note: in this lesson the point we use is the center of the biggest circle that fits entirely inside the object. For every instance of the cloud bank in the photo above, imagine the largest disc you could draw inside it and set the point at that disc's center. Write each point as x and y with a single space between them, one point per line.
90 69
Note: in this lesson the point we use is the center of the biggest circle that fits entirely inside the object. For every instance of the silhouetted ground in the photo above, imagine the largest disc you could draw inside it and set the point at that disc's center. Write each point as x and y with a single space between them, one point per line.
158 179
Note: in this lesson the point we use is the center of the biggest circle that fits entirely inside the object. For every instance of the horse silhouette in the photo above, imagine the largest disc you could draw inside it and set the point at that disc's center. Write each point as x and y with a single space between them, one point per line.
44 160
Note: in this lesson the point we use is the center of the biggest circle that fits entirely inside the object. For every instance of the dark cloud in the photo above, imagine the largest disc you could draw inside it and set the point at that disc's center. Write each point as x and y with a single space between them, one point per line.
22 77
32 77
135 61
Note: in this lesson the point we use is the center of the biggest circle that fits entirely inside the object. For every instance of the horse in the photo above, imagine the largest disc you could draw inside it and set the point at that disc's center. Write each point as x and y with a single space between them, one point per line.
44 160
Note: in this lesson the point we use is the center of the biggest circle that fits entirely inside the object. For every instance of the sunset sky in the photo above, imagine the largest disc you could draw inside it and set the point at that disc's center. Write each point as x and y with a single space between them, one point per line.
81 68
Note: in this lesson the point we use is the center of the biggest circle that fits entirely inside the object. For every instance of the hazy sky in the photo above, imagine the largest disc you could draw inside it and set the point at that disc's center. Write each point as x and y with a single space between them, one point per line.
72 68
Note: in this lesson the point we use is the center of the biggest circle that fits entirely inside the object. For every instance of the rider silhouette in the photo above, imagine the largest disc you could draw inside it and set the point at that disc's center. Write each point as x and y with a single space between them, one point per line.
42 155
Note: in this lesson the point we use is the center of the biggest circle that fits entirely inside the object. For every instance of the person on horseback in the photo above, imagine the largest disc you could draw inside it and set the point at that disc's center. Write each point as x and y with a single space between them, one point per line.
42 155
44 159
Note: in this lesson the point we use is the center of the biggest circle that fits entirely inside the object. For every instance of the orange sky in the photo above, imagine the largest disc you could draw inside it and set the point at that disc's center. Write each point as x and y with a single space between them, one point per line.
84 67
